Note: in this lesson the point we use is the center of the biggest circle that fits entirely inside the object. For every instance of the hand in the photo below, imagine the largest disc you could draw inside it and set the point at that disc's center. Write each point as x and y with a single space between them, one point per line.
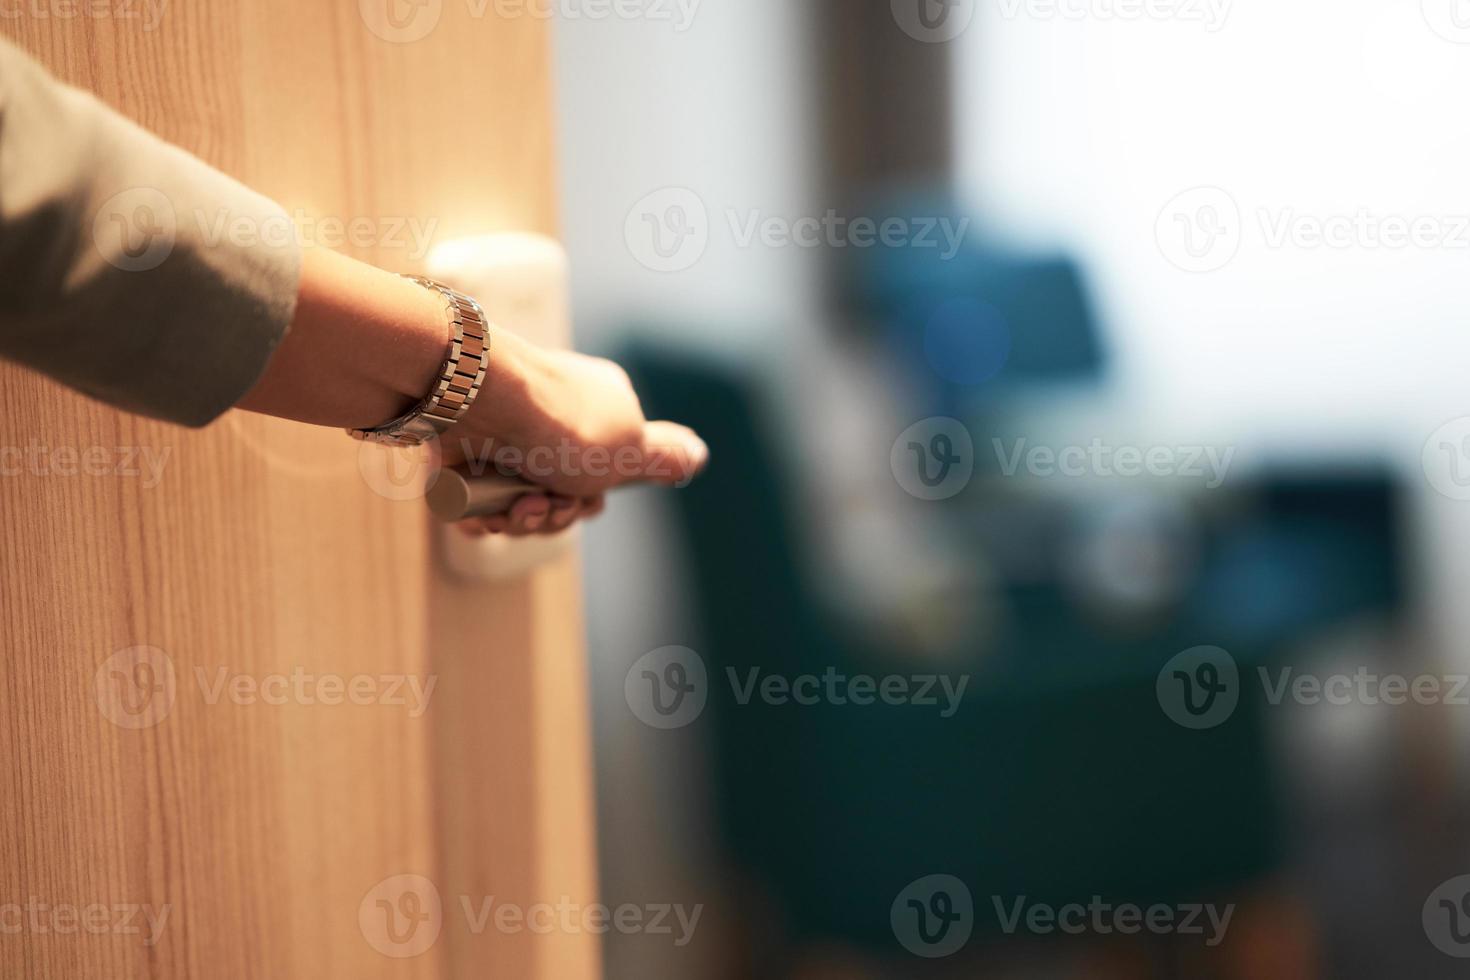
565 422
569 423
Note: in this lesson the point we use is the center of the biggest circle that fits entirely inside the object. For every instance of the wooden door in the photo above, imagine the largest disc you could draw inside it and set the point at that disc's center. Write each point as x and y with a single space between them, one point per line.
185 614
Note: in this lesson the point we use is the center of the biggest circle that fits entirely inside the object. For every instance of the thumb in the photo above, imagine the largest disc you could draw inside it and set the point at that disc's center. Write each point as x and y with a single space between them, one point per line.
672 454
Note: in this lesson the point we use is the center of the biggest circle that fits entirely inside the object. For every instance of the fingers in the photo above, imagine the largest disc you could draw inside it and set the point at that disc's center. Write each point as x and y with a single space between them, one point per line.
564 511
527 515
672 453
536 514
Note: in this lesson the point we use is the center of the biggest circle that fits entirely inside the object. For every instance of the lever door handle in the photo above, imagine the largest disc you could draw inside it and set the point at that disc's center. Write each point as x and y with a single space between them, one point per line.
521 281
458 493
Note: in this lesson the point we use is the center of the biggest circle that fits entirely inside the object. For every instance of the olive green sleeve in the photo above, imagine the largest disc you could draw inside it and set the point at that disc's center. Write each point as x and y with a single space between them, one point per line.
129 269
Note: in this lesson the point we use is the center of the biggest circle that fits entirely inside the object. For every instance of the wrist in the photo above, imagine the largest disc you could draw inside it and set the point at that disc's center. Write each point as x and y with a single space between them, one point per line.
384 337
506 411
419 343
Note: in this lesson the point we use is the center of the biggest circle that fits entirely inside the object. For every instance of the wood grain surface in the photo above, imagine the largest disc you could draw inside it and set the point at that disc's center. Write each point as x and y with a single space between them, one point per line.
257 828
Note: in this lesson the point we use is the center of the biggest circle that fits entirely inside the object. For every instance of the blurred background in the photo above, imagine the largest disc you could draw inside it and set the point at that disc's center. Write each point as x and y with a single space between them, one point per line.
1107 356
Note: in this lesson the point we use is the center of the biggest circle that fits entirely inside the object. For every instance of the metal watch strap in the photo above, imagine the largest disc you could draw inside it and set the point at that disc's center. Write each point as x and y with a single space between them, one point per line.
459 379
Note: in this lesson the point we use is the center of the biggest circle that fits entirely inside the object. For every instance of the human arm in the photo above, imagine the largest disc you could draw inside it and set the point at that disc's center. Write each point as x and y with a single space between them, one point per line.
111 284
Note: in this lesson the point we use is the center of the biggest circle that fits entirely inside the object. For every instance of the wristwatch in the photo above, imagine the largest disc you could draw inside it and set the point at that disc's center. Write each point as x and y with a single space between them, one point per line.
459 379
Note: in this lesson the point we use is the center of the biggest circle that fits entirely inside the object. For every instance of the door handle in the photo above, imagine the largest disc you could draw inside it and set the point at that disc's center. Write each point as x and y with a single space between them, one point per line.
459 493
521 281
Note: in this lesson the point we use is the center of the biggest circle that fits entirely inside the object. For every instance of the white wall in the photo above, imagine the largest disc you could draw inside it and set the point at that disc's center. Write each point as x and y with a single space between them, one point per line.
1077 132
720 109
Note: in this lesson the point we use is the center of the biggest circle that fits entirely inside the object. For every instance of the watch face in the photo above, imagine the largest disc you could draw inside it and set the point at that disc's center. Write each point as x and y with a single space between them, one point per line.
414 428
397 438
417 431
